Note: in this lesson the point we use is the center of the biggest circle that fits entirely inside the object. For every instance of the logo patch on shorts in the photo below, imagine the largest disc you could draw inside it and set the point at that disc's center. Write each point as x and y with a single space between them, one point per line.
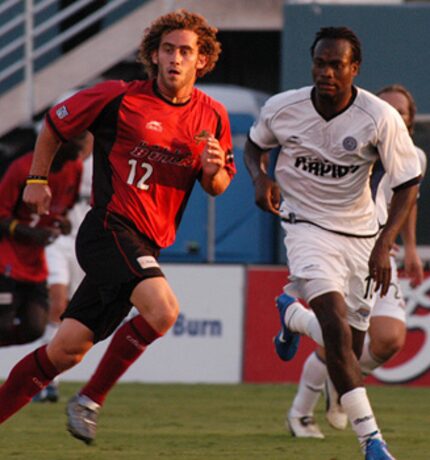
147 262
363 312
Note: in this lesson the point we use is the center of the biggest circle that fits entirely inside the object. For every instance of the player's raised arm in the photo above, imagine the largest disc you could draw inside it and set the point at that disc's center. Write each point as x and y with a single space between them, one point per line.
37 194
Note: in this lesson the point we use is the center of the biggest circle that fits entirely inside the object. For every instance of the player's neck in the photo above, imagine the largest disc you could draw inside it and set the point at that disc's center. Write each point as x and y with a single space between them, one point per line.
330 107
173 98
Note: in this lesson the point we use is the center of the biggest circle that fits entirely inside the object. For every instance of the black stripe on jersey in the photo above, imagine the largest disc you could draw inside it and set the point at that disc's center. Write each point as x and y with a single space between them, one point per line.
104 129
229 157
51 123
409 183
256 145
218 125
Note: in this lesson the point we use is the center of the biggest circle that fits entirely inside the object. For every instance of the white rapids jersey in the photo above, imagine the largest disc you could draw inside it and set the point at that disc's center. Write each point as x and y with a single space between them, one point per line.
384 193
323 167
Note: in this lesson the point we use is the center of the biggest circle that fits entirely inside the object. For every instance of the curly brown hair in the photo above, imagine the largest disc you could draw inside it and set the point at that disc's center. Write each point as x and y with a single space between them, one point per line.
177 20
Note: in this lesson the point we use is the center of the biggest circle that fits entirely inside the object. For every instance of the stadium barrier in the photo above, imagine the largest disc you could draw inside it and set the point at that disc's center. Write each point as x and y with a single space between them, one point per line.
225 330
411 366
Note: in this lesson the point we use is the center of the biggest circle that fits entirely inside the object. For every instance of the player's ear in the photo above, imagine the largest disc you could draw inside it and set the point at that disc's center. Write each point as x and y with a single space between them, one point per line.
355 68
154 57
202 60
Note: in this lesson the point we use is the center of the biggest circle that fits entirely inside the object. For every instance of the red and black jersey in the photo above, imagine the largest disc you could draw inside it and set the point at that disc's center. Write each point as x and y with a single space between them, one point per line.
146 150
26 261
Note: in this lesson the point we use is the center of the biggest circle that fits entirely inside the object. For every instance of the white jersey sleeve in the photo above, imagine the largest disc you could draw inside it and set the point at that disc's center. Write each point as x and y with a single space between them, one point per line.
396 150
384 192
261 132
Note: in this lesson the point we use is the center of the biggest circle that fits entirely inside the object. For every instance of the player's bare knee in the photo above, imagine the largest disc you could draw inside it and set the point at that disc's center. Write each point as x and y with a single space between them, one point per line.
170 314
387 346
64 357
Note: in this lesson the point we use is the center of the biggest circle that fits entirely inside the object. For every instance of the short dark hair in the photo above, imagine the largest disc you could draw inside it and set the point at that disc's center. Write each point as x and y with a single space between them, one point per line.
337 33
398 88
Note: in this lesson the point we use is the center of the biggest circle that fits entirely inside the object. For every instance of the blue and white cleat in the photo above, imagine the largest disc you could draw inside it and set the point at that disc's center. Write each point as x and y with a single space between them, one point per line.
377 450
286 342
48 394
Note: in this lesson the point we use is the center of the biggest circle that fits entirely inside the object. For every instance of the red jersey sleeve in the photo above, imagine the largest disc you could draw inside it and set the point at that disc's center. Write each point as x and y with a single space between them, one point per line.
12 184
76 114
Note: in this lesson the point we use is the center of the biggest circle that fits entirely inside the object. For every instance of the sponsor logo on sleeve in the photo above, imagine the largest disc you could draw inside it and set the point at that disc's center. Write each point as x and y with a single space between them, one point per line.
62 112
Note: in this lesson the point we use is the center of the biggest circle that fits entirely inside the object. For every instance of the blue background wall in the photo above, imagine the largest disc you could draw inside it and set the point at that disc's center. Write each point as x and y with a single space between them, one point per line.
396 49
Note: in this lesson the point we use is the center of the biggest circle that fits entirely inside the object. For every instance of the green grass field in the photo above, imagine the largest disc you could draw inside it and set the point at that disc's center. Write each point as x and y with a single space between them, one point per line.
187 422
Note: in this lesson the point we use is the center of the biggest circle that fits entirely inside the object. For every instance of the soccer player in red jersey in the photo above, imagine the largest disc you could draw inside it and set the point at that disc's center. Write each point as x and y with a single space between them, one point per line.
152 140
24 235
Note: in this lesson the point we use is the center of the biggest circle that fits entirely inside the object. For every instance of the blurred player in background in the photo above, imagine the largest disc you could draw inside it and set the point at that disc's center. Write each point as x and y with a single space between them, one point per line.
387 331
152 140
64 272
24 235
330 135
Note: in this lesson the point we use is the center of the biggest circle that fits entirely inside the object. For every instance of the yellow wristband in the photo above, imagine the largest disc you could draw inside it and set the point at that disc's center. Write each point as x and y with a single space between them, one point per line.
12 226
37 181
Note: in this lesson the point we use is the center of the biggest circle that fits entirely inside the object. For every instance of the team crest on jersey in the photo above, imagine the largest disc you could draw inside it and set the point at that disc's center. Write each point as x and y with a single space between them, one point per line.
154 126
202 136
62 112
349 143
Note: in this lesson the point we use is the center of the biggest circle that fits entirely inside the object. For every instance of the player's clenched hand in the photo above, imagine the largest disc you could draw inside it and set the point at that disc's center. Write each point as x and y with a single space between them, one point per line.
380 266
38 198
213 157
267 194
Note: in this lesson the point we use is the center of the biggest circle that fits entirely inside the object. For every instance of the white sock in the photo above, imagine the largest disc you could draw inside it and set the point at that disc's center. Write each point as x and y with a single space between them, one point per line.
357 406
50 330
311 384
368 362
302 320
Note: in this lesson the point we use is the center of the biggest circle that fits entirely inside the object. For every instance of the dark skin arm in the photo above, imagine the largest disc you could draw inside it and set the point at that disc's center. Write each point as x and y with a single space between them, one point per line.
267 192
379 262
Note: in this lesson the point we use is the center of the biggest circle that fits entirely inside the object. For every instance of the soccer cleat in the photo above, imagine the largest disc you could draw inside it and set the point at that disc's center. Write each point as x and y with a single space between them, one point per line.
377 450
41 396
304 427
334 414
82 413
286 342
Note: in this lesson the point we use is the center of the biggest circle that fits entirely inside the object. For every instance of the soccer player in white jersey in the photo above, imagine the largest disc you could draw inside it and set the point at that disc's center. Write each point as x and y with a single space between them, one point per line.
330 136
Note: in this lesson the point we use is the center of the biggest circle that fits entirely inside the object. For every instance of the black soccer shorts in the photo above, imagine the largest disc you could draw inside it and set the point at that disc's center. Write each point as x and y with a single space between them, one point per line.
115 257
